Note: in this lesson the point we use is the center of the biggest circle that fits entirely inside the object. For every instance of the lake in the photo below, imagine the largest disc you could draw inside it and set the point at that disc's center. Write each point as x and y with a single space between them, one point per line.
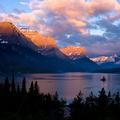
69 84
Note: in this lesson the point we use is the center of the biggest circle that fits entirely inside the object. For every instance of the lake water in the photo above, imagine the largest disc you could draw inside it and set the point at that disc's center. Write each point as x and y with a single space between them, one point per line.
69 84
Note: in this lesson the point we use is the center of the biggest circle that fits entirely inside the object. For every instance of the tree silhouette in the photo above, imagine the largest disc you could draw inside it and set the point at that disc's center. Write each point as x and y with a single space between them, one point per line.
7 86
13 85
55 96
36 106
117 99
102 99
79 98
31 89
76 108
18 91
24 91
36 89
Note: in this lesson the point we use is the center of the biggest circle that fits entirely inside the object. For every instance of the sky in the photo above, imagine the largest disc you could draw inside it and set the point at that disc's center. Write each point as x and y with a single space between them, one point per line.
93 24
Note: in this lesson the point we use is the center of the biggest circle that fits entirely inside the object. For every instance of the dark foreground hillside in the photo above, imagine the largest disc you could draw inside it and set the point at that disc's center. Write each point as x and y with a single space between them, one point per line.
16 103
7 66
112 70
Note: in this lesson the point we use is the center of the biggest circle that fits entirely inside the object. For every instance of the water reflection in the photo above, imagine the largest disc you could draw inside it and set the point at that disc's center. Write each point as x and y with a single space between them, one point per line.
69 84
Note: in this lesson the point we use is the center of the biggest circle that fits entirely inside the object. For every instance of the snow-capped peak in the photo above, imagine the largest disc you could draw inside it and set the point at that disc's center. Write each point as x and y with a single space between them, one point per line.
99 60
103 59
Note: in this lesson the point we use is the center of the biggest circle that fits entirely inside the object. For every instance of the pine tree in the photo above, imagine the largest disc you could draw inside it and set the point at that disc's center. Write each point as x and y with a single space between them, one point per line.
36 89
56 96
117 99
13 85
24 91
79 98
102 99
7 86
18 90
31 89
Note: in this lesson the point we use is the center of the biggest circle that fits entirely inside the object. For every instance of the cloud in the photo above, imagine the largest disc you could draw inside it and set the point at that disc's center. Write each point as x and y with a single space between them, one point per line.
75 13
18 11
9 18
24 3
70 22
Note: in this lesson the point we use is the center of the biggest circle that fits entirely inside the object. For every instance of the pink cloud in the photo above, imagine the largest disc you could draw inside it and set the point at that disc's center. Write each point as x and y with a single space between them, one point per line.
71 14
9 18
24 3
56 18
74 12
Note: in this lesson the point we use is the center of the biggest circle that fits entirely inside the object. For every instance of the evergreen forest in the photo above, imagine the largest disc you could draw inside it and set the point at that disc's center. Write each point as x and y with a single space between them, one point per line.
18 103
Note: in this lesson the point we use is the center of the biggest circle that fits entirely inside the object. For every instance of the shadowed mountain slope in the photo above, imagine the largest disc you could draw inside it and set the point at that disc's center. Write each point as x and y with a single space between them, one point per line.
9 33
79 58
28 48
47 46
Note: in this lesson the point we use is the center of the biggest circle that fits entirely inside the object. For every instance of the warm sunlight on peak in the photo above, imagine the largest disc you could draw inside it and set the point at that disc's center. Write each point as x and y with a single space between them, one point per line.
115 56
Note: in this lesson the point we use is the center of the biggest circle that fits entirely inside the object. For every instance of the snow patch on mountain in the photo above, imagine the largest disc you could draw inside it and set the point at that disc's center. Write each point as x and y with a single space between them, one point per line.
99 60
103 59
74 52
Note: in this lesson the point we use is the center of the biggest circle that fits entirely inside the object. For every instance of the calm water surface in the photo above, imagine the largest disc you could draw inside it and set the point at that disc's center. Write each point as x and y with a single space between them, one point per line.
69 84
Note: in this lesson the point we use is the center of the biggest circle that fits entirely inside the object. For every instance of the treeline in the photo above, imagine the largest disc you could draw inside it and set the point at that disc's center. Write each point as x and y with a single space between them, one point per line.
20 104
16 103
7 66
101 107
110 70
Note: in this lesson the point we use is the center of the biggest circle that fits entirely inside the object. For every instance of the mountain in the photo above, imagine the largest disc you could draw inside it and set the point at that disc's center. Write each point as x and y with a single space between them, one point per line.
47 46
79 58
107 62
26 47
9 33
74 52
18 48
102 59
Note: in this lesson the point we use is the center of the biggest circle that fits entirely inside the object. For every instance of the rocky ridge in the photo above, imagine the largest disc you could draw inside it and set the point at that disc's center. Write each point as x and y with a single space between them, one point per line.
9 34
103 59
74 52
27 47
47 46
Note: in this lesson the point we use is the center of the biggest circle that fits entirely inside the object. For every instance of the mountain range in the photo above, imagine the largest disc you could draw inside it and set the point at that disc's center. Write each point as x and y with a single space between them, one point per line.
107 62
46 46
27 48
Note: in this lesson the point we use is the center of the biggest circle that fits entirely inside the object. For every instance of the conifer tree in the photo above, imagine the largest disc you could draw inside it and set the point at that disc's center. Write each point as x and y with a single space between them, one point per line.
31 89
24 91
18 95
102 99
117 99
109 97
79 98
56 96
7 85
13 85
18 90
36 89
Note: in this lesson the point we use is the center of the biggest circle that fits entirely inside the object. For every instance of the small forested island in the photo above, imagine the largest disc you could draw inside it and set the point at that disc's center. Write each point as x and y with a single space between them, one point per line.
16 103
